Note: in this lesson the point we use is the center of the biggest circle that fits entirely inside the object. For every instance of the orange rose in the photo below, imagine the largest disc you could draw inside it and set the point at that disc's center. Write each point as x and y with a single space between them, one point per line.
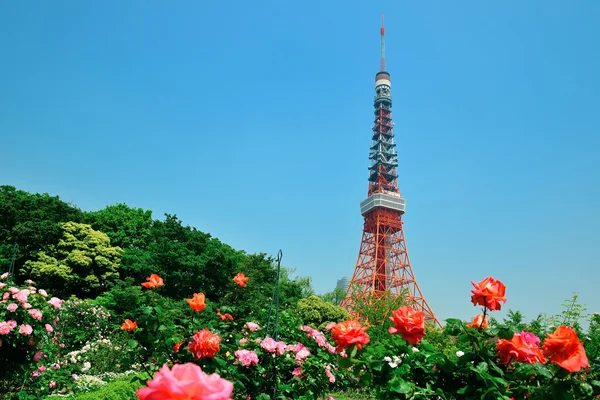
128 325
241 279
488 293
224 316
348 333
176 346
409 323
523 347
564 348
153 281
197 302
478 322
204 344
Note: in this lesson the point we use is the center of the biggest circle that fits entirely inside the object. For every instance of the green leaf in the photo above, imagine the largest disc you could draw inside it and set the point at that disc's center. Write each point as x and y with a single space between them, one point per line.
491 332
344 362
399 385
353 351
463 338
162 328
542 370
220 362
132 343
158 310
482 367
586 389
505 333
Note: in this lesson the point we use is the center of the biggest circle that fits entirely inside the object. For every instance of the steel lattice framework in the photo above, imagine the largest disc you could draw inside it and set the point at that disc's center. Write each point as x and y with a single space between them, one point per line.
383 266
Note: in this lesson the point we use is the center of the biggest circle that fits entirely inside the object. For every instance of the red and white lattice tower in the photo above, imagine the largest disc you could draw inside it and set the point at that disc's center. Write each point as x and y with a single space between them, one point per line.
383 265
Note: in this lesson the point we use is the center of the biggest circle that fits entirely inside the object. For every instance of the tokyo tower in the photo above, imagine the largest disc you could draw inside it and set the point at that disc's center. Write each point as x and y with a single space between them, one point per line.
383 265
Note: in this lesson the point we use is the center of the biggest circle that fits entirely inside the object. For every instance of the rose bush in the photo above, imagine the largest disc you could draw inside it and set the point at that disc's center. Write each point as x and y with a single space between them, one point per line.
196 348
28 317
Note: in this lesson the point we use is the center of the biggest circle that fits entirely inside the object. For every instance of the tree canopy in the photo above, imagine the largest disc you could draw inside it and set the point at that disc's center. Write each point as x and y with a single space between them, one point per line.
86 253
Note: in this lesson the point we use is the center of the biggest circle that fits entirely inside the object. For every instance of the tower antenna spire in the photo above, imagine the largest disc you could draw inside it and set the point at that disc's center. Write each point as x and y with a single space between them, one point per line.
382 61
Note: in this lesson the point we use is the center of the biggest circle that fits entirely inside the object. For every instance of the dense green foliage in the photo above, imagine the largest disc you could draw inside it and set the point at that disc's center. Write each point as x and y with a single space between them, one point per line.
317 313
73 252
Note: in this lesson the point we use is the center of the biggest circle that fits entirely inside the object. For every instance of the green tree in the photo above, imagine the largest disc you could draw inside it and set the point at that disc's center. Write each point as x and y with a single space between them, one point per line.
334 297
126 227
32 221
83 263
316 312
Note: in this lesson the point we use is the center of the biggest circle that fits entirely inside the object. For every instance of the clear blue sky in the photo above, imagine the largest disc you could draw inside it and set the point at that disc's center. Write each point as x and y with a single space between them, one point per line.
251 121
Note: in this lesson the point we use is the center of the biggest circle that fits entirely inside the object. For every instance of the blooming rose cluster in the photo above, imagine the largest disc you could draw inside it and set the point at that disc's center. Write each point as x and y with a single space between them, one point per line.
22 309
246 357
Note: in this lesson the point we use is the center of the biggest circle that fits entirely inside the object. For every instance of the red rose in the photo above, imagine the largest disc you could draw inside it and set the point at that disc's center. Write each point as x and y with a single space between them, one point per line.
488 293
523 347
409 323
564 348
348 333
204 344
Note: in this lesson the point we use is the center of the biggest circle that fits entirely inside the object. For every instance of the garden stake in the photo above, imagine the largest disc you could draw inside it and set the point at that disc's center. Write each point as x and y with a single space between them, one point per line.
275 299
11 269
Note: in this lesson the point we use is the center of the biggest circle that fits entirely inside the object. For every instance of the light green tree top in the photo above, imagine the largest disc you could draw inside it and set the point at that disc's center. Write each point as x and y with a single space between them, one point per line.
82 263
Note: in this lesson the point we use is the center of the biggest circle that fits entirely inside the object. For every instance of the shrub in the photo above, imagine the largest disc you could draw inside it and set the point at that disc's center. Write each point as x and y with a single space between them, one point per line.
27 322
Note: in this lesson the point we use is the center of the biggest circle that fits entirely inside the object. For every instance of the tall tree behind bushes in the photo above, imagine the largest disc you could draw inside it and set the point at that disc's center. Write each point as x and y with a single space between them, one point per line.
32 221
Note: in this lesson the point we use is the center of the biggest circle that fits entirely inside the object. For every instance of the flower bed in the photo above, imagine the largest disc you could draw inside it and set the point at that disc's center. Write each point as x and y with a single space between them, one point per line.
215 355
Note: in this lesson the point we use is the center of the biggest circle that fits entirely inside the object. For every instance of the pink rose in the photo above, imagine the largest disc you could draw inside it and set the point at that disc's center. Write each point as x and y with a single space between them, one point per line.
302 355
4 275
12 307
330 326
269 344
52 384
22 295
252 326
2 285
246 357
35 314
55 301
5 296
5 328
41 368
297 371
186 381
25 330
44 294
12 323
37 356
329 374
49 328
26 306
